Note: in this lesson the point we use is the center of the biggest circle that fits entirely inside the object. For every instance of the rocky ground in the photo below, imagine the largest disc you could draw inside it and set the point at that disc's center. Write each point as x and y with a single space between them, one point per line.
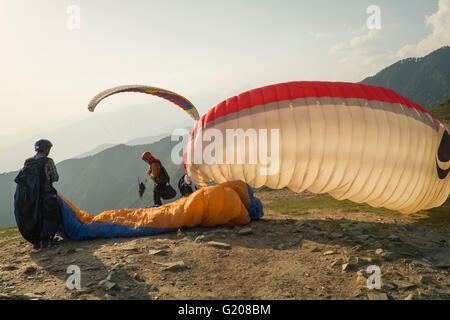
321 254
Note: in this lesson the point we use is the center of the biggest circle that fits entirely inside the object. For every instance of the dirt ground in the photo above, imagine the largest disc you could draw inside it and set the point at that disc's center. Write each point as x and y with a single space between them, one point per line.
322 254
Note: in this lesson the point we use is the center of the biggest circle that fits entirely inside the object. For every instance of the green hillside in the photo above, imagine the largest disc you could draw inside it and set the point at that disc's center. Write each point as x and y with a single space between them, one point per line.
442 110
105 181
425 81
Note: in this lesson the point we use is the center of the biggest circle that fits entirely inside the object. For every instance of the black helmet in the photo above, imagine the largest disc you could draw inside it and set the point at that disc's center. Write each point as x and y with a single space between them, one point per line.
42 145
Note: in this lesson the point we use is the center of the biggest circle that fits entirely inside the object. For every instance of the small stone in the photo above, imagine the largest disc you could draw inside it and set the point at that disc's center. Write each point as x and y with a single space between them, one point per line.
347 267
388 286
424 279
389 256
330 252
405 285
361 279
358 293
200 238
377 296
107 284
379 251
245 231
138 278
410 297
158 252
336 262
9 268
219 245
30 271
70 251
364 260
31 296
174 266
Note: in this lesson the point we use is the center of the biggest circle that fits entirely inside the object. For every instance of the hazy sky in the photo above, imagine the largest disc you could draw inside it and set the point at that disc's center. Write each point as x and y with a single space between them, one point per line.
205 50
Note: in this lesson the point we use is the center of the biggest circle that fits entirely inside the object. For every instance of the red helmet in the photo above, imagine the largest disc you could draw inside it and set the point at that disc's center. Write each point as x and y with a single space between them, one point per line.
146 155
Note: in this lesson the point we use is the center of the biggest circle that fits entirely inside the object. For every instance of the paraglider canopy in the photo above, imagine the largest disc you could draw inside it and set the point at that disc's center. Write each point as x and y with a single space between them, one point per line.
173 97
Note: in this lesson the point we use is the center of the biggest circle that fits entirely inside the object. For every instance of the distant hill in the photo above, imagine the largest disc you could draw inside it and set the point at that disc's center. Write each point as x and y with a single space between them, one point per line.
94 151
133 142
425 81
105 181
151 139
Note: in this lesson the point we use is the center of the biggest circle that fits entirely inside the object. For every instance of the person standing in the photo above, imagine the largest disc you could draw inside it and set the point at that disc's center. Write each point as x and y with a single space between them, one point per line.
157 172
36 207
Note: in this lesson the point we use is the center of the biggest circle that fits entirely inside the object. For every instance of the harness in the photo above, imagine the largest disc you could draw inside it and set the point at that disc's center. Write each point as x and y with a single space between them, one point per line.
161 175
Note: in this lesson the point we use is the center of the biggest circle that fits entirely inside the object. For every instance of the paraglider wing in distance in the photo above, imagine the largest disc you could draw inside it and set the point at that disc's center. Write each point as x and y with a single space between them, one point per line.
354 141
173 97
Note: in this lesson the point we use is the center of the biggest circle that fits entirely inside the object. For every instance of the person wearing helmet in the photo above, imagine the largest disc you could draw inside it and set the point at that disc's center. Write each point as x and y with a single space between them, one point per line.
36 207
159 175
42 148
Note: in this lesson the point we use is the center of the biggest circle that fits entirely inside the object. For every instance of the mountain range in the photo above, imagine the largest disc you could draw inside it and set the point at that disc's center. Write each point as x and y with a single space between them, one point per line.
425 80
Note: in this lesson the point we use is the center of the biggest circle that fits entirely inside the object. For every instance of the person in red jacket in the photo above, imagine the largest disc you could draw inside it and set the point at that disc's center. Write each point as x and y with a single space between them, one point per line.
159 175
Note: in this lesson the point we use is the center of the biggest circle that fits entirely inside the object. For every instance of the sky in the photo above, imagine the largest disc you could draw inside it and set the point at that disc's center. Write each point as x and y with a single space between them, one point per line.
55 55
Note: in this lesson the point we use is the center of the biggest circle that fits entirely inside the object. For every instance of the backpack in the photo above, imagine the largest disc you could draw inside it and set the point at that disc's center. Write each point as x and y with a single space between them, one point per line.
168 192
185 189
36 207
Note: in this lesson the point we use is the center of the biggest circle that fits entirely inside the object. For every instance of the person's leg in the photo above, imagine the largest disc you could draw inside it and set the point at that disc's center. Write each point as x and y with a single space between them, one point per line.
157 194
36 244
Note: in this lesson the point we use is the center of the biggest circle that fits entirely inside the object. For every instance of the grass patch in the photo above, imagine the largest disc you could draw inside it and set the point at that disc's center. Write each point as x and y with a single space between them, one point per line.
8 232
8 235
436 215
6 242
295 207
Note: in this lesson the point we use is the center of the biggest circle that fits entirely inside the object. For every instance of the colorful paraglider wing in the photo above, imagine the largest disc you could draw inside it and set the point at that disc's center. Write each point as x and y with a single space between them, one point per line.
359 142
231 203
175 98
